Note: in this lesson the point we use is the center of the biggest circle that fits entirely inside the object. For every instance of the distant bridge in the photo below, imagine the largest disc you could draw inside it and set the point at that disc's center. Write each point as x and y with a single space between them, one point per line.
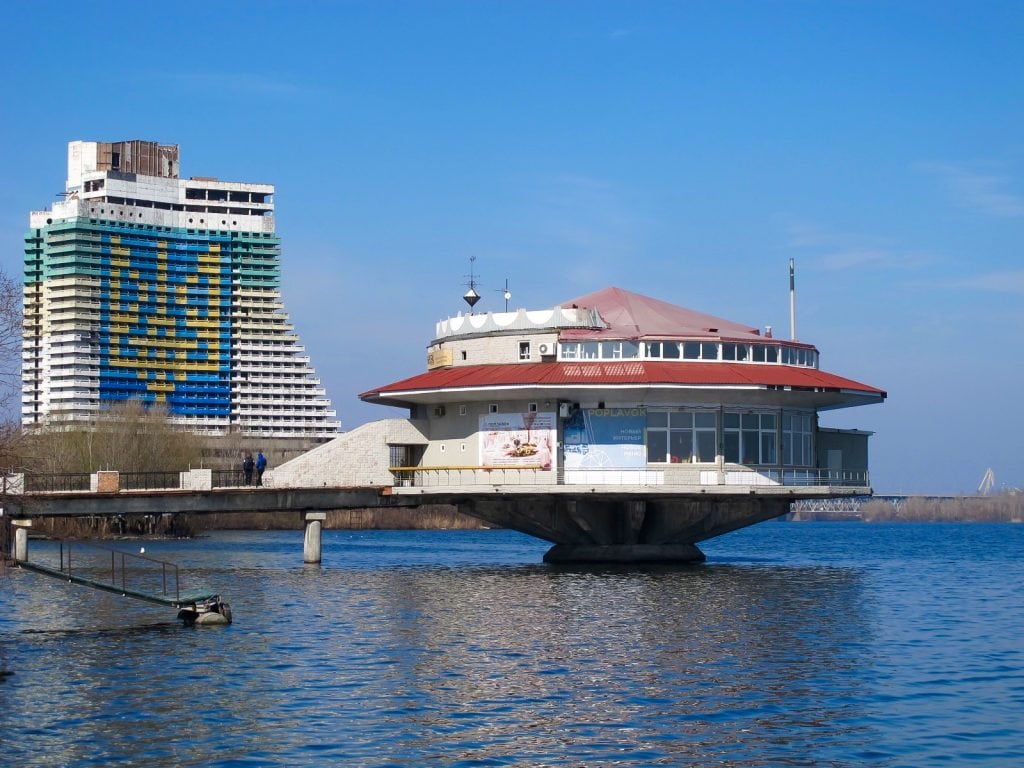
852 506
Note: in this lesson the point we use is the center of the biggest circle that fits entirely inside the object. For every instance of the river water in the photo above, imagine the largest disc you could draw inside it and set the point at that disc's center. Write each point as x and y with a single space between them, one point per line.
796 644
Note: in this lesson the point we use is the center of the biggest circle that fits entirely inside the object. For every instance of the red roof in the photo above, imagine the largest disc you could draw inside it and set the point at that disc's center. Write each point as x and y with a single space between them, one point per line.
633 316
627 372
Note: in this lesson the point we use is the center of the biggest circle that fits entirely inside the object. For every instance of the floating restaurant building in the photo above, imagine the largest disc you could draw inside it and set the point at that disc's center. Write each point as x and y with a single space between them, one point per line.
617 426
618 388
143 285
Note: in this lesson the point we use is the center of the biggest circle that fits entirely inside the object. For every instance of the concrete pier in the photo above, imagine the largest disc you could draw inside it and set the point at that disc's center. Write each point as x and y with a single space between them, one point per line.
619 530
21 539
311 549
595 524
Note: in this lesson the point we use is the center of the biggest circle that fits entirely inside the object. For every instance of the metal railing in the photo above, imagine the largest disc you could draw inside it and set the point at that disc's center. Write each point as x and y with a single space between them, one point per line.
235 478
130 481
227 478
119 570
532 474
651 475
138 481
55 483
841 478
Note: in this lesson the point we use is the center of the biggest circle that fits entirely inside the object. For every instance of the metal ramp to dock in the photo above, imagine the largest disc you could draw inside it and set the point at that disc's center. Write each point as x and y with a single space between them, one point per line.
120 573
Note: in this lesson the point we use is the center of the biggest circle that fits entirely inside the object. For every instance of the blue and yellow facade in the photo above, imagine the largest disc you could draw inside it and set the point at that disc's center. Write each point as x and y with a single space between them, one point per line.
121 304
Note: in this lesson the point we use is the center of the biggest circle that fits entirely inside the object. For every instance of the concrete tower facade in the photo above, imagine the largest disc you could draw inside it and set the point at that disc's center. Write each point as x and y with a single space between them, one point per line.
143 285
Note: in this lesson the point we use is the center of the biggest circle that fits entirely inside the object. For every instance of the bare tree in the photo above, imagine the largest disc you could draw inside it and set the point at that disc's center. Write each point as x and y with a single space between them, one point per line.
129 437
10 388
10 339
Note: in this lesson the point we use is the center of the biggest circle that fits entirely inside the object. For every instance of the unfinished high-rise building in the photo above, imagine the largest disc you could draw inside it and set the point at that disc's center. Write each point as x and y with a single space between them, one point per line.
143 285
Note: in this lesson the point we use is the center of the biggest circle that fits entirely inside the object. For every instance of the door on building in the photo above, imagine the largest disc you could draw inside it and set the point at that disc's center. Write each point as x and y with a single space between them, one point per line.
835 465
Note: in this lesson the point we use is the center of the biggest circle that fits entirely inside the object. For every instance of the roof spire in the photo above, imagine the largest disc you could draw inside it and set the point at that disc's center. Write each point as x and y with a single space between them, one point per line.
471 297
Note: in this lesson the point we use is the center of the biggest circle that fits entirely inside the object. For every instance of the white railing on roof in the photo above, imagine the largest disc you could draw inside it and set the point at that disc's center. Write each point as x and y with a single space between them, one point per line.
520 320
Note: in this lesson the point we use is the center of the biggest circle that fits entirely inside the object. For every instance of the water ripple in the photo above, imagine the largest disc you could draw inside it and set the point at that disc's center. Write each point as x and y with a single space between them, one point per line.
797 644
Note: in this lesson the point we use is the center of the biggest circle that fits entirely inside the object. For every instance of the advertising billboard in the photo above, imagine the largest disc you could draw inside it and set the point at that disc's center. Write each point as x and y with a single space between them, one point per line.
611 438
518 439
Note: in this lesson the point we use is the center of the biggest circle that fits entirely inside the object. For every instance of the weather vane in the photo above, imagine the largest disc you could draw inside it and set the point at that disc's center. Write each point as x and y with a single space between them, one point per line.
471 296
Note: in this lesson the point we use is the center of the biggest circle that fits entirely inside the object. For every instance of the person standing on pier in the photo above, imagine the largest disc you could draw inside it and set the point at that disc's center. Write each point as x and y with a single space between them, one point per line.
247 465
261 464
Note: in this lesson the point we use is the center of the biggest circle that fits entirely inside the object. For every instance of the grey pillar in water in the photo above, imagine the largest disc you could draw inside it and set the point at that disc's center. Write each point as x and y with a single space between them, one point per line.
311 543
21 540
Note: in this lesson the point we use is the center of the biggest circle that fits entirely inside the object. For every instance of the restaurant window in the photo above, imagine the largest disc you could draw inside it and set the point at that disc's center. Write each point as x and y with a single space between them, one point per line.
681 436
700 350
796 439
668 350
750 438
620 350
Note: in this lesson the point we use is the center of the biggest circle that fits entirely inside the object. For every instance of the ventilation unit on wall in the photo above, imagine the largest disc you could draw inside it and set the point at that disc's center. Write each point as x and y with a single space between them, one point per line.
546 349
438 411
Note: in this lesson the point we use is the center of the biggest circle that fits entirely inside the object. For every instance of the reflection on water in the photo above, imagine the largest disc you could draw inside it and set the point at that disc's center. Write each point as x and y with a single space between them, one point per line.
458 648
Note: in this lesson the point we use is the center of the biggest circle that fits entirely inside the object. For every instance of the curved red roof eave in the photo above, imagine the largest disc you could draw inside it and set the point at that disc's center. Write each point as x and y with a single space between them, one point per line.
624 373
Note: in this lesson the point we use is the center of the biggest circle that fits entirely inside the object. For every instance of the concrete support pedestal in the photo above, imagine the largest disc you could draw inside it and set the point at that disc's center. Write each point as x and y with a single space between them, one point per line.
624 553
311 543
613 528
21 539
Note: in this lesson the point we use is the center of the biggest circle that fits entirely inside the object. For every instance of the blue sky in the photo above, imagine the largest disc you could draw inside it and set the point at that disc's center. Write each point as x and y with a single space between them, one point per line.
684 150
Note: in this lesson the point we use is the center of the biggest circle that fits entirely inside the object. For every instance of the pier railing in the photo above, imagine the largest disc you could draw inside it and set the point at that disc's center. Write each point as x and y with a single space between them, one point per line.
651 476
56 483
474 475
842 478
117 571
228 478
78 482
532 474
146 481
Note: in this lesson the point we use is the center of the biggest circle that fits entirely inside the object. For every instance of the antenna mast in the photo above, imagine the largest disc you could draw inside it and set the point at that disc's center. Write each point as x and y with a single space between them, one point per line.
792 300
506 294
471 297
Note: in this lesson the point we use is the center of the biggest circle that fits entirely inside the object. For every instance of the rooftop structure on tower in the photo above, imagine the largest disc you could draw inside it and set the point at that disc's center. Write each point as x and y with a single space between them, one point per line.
143 285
